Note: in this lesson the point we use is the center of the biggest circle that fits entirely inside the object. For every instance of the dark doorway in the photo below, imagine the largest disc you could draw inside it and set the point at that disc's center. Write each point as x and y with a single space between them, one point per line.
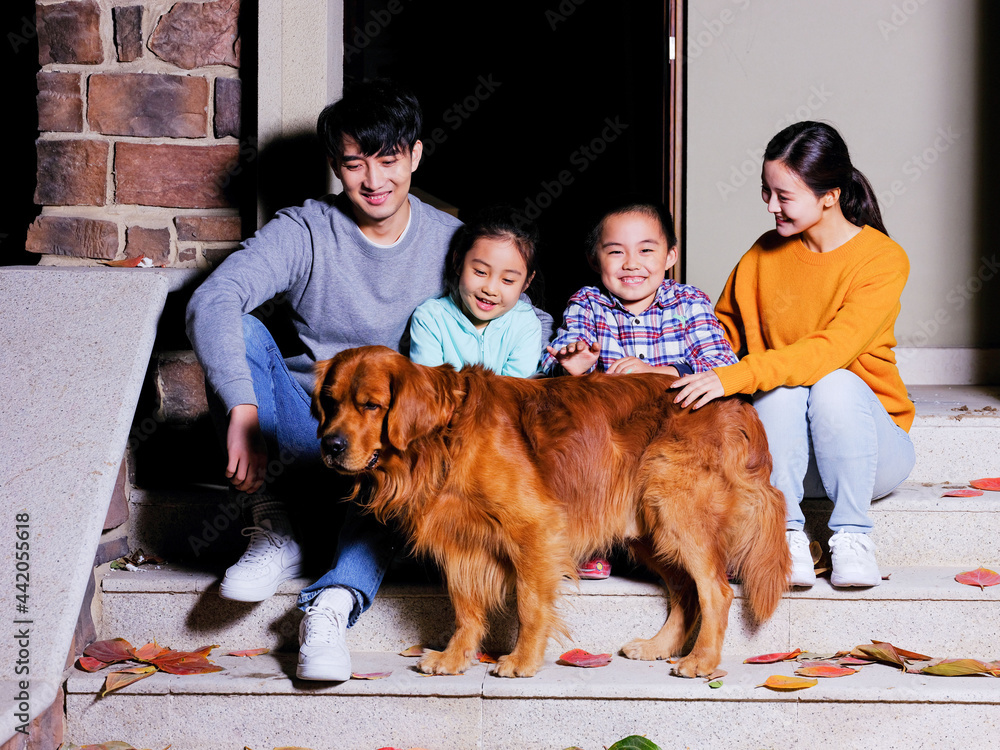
553 108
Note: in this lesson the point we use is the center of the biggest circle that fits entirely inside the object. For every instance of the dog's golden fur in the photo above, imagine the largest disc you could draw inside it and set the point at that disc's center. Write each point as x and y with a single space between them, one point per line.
508 483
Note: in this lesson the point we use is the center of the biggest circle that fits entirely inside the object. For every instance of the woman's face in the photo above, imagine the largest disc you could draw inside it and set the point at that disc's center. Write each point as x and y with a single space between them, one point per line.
795 207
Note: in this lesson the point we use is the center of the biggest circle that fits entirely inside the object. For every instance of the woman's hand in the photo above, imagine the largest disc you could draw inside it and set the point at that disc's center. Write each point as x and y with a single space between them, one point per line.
246 449
698 389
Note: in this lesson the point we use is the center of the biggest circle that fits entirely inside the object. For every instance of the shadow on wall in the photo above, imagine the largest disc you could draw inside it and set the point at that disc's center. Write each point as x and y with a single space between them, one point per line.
985 286
291 170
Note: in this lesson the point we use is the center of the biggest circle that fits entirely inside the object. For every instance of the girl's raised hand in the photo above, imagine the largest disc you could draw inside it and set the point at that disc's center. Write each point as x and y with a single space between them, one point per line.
698 389
576 357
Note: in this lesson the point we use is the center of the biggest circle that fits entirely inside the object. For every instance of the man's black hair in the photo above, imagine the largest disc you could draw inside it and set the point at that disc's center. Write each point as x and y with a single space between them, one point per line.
380 115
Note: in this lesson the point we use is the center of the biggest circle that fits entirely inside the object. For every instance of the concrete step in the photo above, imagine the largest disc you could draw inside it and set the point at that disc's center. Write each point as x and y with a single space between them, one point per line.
258 703
956 432
921 608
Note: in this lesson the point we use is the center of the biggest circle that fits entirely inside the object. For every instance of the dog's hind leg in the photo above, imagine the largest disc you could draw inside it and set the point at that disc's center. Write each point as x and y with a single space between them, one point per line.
682 617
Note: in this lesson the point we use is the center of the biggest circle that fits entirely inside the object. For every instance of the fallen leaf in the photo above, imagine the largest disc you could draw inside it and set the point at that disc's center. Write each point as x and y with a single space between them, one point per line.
249 652
809 656
854 661
186 662
772 658
90 664
963 493
911 655
718 674
577 657
414 651
715 684
121 678
149 651
485 658
783 682
110 651
634 742
960 668
824 670
369 675
980 577
992 484
124 263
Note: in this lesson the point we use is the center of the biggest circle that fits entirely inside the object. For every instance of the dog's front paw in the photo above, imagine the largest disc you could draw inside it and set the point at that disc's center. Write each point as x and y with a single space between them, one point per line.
696 665
508 666
444 662
645 649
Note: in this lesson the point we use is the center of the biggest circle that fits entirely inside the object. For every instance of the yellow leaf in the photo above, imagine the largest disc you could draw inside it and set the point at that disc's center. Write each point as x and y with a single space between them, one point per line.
783 682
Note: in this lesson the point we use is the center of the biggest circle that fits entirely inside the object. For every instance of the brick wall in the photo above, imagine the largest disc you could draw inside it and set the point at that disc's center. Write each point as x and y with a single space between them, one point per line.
139 153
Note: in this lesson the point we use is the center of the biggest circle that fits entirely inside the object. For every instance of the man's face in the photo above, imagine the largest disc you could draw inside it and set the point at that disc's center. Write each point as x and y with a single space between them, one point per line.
377 186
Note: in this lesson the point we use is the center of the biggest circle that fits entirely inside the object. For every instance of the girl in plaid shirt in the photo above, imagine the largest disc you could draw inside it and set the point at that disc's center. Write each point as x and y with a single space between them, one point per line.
638 320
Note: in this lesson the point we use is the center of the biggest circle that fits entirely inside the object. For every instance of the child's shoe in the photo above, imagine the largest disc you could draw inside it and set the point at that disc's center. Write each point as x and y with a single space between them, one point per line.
853 560
596 569
803 570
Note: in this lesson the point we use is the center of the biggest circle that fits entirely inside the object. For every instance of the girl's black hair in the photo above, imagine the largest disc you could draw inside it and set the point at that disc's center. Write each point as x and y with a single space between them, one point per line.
653 209
380 115
497 223
817 153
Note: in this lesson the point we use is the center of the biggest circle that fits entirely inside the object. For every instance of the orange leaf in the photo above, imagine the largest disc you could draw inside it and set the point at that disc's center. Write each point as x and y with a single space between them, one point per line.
772 658
960 668
124 263
369 675
782 682
149 651
186 662
992 484
825 670
413 651
249 652
980 577
123 677
577 657
911 655
116 649
485 658
963 493
884 652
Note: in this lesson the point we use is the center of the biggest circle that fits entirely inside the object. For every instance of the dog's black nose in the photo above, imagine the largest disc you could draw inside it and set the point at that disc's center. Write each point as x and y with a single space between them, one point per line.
334 444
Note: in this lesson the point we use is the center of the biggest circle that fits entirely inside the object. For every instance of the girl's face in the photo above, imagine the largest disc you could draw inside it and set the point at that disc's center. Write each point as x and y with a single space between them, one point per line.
493 276
633 257
795 207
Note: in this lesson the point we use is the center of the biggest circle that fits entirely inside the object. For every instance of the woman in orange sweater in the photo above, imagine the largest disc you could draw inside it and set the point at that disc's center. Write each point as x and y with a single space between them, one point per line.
810 310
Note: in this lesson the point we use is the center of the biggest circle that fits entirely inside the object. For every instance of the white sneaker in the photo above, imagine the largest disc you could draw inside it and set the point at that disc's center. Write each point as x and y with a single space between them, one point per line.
853 560
270 559
803 570
323 653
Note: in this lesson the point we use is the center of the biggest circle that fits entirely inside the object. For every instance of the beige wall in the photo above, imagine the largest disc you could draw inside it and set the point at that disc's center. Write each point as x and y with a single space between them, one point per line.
899 79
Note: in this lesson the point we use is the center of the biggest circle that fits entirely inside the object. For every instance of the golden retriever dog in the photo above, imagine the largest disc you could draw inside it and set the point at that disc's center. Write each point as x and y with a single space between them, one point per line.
508 483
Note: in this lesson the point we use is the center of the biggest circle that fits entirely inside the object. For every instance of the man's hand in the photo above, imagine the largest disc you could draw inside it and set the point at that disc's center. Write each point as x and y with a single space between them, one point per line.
577 357
246 449
625 365
698 389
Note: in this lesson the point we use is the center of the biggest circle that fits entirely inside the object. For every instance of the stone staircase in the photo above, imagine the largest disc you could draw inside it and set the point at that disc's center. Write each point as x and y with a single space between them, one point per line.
923 540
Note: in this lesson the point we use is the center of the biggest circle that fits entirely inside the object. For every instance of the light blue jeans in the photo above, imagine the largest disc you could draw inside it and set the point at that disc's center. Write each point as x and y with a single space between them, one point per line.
836 439
365 547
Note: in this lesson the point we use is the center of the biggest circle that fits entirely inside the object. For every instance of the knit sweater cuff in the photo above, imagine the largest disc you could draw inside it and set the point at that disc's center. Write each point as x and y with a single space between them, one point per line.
736 378
237 392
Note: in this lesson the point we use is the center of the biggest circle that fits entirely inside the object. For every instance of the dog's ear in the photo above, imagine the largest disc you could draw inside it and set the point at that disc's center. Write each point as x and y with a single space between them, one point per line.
418 403
322 370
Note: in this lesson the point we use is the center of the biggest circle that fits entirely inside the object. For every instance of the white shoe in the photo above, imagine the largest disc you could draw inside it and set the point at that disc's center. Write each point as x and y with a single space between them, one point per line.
803 569
270 559
853 560
323 653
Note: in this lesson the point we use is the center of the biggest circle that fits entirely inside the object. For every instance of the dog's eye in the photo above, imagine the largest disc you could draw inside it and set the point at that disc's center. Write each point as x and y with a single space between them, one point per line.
370 406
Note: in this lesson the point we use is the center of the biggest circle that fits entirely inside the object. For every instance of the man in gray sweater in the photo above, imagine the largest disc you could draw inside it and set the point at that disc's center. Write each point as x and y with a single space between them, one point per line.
351 268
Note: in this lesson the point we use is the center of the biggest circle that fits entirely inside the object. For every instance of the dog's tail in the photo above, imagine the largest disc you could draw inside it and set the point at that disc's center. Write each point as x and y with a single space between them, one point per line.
758 550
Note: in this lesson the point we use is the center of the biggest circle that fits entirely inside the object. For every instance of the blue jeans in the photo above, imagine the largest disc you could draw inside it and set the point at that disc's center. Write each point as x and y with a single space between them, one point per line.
365 547
833 438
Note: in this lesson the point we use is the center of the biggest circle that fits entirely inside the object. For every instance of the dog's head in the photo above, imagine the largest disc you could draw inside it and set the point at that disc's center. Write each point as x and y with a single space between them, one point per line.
372 403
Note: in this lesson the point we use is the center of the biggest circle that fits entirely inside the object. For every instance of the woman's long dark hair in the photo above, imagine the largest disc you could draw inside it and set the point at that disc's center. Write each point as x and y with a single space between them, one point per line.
817 153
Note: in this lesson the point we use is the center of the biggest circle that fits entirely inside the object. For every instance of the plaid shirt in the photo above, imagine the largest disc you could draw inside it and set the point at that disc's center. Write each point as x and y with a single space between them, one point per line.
678 328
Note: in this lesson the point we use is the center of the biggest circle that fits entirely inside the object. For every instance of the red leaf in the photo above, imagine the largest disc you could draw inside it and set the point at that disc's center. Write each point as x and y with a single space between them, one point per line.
980 577
249 652
485 658
580 658
772 658
111 651
992 484
963 493
912 655
186 662
149 651
853 661
369 675
90 664
125 263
